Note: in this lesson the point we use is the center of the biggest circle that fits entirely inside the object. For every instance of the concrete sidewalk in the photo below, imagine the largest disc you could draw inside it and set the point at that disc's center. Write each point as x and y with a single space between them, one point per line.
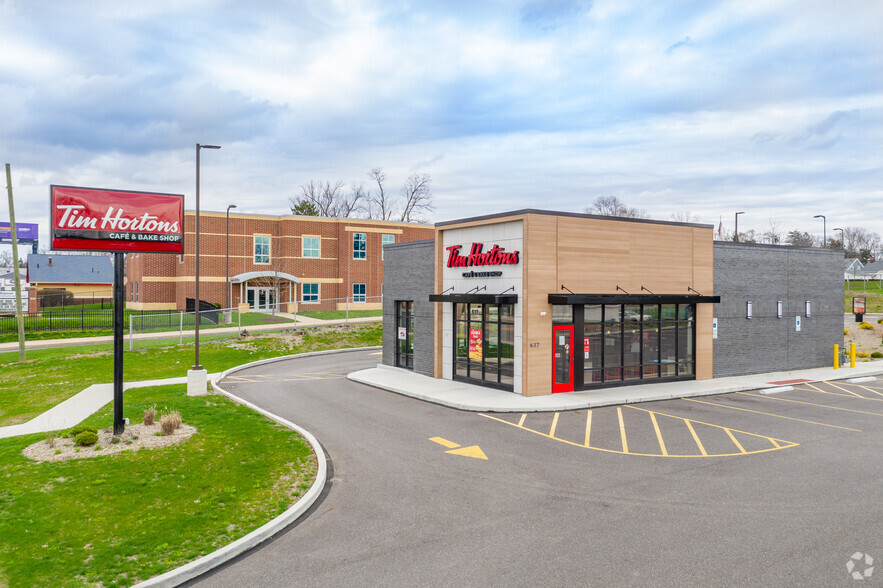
302 322
80 406
478 398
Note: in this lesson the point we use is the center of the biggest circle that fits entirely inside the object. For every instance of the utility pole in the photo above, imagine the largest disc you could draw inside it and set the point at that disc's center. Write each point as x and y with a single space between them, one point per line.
17 271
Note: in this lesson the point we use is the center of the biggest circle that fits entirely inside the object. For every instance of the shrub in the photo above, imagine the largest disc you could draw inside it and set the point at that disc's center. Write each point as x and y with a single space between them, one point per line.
50 438
880 321
170 422
866 326
86 438
149 416
862 354
80 428
877 355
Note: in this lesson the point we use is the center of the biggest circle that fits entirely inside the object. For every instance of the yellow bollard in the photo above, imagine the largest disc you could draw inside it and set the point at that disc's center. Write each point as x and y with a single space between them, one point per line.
852 355
836 357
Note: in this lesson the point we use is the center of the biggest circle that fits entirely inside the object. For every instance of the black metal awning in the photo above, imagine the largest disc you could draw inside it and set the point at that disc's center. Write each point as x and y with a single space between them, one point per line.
475 298
631 299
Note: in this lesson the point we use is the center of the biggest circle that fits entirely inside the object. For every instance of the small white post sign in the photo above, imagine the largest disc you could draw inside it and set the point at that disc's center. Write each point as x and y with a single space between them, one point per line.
714 328
403 333
797 326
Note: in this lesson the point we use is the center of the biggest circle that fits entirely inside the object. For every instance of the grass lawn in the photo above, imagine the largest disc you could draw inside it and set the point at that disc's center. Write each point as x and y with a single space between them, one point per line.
331 315
870 290
116 520
50 376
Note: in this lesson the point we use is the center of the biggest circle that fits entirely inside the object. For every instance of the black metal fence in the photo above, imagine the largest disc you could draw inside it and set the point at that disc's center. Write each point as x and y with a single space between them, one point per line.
67 320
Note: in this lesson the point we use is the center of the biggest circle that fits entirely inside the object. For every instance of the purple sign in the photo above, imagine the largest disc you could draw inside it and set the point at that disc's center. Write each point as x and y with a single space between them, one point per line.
22 230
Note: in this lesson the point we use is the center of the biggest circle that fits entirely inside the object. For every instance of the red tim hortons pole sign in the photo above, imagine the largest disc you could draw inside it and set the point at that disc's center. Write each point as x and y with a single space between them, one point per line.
92 219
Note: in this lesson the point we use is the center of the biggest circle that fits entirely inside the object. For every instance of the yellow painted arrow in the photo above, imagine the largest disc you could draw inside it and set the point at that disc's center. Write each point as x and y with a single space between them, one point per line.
455 449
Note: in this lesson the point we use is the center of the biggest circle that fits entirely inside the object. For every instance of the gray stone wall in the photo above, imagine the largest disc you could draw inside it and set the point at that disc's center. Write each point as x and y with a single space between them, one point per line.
765 274
409 274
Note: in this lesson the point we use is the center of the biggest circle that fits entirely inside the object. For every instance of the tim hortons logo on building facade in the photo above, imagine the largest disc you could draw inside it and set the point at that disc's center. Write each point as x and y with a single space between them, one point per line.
495 256
114 220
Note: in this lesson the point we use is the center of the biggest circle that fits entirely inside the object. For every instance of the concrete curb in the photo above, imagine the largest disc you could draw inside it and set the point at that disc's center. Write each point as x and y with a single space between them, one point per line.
472 398
209 562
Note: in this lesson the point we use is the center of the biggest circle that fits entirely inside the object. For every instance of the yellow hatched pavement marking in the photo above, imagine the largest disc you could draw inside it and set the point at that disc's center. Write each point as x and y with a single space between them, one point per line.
849 395
696 438
625 443
658 434
844 389
739 445
817 389
779 443
809 403
778 416
868 388
776 444
554 426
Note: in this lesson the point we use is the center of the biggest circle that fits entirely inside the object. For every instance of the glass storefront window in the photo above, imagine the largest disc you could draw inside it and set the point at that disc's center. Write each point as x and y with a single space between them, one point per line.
485 343
637 342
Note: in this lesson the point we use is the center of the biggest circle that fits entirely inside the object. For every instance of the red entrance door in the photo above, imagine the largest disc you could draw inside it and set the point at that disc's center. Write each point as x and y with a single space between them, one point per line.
562 358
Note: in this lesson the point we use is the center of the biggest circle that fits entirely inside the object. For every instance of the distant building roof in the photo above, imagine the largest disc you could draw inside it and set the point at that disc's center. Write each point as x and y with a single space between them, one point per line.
70 269
850 261
872 268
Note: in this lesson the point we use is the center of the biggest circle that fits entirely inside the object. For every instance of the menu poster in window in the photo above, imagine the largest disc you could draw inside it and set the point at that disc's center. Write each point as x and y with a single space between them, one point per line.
587 348
475 344
403 333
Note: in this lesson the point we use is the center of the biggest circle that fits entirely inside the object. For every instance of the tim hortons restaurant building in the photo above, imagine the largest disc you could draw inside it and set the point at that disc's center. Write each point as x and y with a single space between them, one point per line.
315 262
538 302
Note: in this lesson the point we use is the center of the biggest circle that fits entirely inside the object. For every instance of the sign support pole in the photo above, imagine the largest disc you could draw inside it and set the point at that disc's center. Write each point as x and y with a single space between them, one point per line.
119 300
16 271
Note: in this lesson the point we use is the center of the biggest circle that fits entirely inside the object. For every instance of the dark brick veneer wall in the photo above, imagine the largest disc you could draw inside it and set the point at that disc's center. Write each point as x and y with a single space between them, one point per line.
765 274
409 274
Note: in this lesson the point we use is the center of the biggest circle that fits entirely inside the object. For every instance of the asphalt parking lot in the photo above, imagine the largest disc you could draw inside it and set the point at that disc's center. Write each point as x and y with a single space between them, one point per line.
735 489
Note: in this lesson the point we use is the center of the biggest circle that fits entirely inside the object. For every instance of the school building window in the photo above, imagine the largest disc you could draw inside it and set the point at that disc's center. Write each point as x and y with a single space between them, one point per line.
360 245
359 293
262 249
310 293
387 239
310 246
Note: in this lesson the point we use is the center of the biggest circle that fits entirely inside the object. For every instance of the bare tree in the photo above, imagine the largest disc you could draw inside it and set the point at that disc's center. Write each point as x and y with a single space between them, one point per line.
773 233
860 242
685 216
380 204
417 197
329 199
613 206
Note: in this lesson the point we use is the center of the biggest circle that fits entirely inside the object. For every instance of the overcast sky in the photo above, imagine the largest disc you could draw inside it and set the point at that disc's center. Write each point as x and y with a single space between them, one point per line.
770 107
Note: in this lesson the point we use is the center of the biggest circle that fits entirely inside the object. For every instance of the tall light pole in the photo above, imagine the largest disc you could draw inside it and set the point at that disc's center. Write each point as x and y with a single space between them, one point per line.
824 229
736 236
196 365
227 271
842 244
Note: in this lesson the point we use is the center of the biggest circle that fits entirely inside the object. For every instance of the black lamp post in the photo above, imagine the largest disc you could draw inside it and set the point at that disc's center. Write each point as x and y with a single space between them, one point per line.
736 236
227 270
196 365
824 229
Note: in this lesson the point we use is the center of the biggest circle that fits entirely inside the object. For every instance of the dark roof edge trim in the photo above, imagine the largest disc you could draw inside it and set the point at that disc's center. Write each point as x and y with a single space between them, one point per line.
633 299
475 298
522 211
